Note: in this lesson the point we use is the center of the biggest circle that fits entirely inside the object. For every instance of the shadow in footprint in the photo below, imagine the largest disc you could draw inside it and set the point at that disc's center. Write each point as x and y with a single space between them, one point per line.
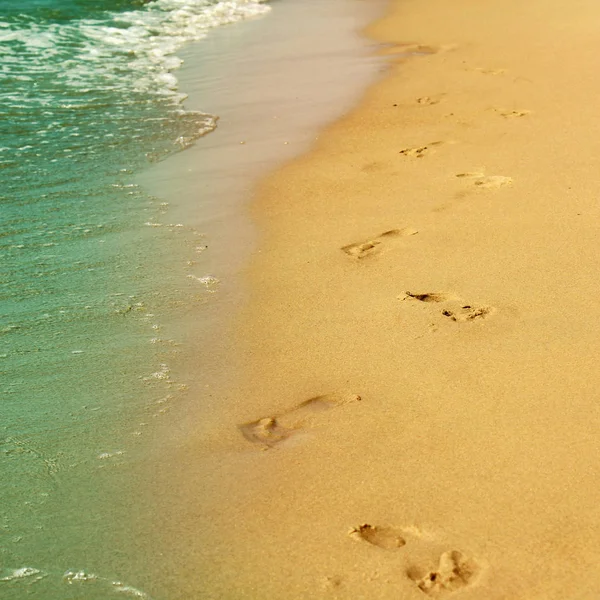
490 71
408 50
430 100
270 431
455 309
265 431
429 297
511 114
376 245
421 151
454 572
467 313
487 181
383 537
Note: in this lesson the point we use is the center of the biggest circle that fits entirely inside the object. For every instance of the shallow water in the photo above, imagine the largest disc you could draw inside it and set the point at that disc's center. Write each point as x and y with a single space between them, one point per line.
275 83
112 282
88 98
301 68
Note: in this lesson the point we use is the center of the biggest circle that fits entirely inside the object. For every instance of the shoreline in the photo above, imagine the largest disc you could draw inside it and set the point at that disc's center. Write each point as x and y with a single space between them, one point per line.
261 126
207 188
418 412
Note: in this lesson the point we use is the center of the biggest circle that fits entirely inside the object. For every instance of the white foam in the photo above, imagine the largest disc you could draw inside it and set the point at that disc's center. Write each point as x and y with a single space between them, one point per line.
129 590
78 577
164 374
107 455
23 573
207 280
114 587
140 42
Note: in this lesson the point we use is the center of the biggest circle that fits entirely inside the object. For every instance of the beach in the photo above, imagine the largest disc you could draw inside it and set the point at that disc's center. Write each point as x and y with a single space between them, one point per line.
133 135
417 410
293 312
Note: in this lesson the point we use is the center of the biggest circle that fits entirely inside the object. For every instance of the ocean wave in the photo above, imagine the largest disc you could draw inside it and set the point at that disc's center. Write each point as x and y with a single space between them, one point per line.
95 585
122 50
83 85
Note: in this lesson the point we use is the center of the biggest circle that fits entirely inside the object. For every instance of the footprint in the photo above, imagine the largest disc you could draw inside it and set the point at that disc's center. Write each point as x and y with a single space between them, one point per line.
487 181
376 245
490 71
270 431
493 181
454 572
429 297
430 100
332 582
265 431
456 310
510 114
373 167
467 313
421 151
382 537
412 49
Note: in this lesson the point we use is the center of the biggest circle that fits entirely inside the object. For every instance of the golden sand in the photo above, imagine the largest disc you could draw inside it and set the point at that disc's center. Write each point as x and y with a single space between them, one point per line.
419 414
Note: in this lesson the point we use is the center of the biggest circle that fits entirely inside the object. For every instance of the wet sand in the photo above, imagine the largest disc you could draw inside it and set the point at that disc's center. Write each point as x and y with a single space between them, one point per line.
418 414
257 76
274 82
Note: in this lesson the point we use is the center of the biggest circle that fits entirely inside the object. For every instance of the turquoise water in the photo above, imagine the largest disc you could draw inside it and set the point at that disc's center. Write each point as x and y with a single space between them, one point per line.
88 98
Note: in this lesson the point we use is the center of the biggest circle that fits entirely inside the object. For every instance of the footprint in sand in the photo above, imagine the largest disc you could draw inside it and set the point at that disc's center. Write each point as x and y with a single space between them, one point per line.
270 431
414 49
374 166
454 572
467 313
387 538
490 71
430 100
455 309
429 297
512 114
421 151
265 431
486 181
378 244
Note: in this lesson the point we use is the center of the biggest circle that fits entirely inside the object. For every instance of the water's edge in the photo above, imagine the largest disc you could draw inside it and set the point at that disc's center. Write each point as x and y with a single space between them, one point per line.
120 287
302 67
297 74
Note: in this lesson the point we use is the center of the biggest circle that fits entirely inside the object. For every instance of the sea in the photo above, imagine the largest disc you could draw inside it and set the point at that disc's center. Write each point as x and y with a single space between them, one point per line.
88 98
91 306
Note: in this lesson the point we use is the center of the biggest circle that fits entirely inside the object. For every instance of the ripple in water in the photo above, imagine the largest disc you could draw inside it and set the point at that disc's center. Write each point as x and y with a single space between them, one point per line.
88 97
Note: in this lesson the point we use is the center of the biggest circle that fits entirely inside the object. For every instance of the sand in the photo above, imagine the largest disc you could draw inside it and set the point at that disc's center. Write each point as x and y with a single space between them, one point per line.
418 410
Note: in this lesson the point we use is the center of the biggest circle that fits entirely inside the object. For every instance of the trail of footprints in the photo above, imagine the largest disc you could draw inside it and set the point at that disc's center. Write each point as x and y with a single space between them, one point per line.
454 308
453 570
